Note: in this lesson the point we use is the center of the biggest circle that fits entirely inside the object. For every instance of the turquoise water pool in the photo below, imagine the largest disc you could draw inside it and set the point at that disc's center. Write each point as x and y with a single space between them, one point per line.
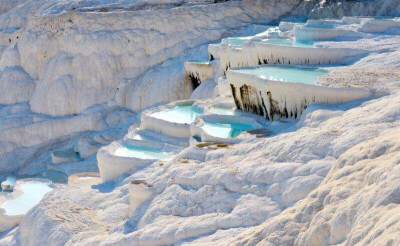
285 74
225 129
32 194
54 176
141 153
184 114
287 42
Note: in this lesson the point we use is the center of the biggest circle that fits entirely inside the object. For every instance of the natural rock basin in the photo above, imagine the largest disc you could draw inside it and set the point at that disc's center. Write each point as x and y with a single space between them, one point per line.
225 129
285 74
180 114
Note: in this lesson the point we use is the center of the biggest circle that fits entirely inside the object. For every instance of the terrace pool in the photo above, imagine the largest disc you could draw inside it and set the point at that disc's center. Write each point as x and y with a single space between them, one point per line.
32 194
184 114
285 74
225 129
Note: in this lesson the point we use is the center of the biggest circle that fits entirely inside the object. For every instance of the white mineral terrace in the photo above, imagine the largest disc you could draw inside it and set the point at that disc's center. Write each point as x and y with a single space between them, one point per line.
122 156
276 91
173 119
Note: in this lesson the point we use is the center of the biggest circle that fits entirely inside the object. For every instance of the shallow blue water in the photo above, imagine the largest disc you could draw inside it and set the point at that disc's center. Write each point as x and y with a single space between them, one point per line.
180 114
32 194
141 153
287 42
285 74
225 129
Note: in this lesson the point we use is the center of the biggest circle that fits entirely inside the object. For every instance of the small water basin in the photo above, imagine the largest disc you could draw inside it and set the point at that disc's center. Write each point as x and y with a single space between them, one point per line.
184 114
225 129
285 74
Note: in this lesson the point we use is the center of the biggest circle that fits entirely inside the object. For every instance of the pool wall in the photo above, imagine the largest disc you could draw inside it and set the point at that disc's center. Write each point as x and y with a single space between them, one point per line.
178 130
262 53
112 166
198 132
319 34
275 99
8 222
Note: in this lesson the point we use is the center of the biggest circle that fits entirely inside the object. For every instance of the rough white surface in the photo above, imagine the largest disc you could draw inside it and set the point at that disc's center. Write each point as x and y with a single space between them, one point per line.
78 59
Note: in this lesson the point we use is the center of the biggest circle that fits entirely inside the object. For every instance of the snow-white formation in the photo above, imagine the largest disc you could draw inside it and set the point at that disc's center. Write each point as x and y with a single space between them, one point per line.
8 221
117 45
197 132
167 127
275 99
139 192
256 53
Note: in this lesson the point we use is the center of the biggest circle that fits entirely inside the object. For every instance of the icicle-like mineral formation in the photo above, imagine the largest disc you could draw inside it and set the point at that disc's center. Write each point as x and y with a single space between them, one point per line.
275 99
255 54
